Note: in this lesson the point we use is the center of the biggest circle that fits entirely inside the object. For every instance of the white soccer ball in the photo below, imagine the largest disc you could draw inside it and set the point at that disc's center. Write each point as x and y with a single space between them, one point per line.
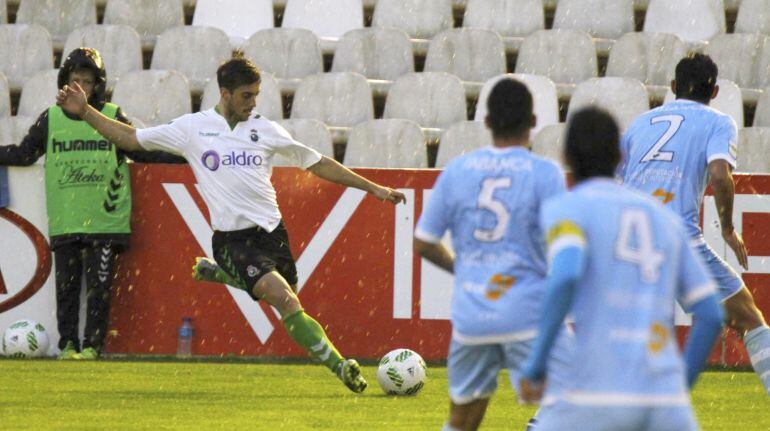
25 339
402 372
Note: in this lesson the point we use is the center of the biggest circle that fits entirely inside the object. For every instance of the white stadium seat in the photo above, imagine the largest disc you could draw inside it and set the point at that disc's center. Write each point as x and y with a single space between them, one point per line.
421 19
762 113
728 101
5 97
431 99
17 41
391 143
509 18
742 58
59 17
623 98
461 138
39 93
326 18
153 96
376 53
14 129
119 45
609 19
753 150
549 143
339 99
471 54
269 103
310 132
753 17
565 56
149 17
544 98
692 20
3 12
648 57
285 52
238 18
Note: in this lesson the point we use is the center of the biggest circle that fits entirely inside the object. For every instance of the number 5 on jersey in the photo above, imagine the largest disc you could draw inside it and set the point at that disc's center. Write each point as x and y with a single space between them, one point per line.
488 202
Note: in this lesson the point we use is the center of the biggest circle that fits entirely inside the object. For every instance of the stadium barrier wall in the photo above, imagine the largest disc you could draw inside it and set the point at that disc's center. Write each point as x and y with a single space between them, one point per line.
358 274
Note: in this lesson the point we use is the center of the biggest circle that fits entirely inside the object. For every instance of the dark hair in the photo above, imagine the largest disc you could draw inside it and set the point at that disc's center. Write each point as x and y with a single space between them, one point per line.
236 72
85 59
696 77
509 109
592 148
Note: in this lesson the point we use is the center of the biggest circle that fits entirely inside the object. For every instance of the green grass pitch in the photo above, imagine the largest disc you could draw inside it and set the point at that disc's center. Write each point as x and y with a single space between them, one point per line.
157 395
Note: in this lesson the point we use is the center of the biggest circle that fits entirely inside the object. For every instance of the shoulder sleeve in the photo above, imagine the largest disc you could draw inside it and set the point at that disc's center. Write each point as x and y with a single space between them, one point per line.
694 283
625 141
281 142
435 217
32 146
171 137
552 181
723 142
561 226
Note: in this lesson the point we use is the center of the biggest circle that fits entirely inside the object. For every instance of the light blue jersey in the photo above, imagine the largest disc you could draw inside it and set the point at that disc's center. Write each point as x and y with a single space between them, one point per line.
667 151
637 262
490 200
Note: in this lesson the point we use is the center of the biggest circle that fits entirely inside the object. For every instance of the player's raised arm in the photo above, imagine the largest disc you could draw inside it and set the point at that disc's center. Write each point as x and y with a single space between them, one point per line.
73 100
331 170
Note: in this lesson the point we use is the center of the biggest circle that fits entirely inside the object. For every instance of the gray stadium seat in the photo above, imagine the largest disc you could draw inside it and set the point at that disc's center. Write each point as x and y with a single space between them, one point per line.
471 54
762 113
14 129
728 101
549 143
310 132
175 47
376 53
431 99
461 138
339 99
149 17
544 97
238 18
391 143
623 98
753 150
421 19
565 56
692 20
5 97
153 96
609 19
325 18
648 57
39 93
269 102
509 18
3 12
742 58
753 17
287 53
17 41
59 17
119 45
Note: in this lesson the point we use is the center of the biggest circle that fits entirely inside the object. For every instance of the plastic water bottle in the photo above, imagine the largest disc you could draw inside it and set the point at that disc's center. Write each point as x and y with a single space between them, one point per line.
186 332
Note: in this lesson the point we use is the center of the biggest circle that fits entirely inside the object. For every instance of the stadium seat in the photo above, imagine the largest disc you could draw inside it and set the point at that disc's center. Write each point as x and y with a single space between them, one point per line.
149 17
288 53
14 129
153 96
325 18
762 113
339 99
728 101
648 57
753 150
624 98
609 19
17 41
39 93
742 58
549 143
753 17
391 143
421 19
431 99
239 19
119 45
3 12
174 47
310 132
565 56
59 17
544 97
692 20
509 18
471 54
269 103
376 53
5 97
461 138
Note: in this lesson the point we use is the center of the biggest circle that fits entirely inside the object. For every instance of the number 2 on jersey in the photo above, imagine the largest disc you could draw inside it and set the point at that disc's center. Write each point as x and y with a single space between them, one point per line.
488 202
655 153
635 225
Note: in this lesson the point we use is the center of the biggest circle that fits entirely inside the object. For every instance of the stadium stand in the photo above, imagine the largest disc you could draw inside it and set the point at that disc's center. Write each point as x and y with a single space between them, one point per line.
269 102
565 56
550 143
762 114
3 12
509 18
149 17
326 18
431 99
239 19
753 150
421 19
546 103
753 17
17 41
39 93
692 20
394 143
728 101
339 99
119 45
624 98
743 59
5 97
472 54
460 138
13 130
615 19
59 17
290 54
153 96
376 53
310 132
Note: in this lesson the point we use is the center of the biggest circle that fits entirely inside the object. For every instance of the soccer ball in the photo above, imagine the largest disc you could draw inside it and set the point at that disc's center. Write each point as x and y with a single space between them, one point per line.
401 372
25 339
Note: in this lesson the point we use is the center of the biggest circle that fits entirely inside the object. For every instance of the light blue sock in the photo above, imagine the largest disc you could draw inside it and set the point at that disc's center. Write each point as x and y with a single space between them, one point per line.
448 427
757 343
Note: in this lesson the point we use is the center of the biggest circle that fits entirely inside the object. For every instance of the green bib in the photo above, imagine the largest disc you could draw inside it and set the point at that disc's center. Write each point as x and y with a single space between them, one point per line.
88 190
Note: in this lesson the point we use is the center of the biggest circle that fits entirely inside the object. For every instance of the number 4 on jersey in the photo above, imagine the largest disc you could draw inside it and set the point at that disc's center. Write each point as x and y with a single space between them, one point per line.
635 244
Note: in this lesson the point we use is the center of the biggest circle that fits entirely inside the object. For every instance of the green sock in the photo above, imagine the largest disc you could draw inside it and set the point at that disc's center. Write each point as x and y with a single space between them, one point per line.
306 332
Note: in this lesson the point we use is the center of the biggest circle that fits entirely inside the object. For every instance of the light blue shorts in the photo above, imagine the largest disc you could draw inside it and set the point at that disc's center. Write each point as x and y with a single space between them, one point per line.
565 416
473 369
727 280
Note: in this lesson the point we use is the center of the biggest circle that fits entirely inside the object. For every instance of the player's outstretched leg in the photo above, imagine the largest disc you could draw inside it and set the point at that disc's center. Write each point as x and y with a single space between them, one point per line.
744 316
206 269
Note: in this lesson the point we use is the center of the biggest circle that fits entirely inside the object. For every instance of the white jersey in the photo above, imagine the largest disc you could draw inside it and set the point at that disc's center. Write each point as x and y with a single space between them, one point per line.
232 167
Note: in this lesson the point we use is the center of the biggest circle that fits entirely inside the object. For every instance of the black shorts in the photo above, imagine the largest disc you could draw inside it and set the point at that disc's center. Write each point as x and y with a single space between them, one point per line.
248 254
